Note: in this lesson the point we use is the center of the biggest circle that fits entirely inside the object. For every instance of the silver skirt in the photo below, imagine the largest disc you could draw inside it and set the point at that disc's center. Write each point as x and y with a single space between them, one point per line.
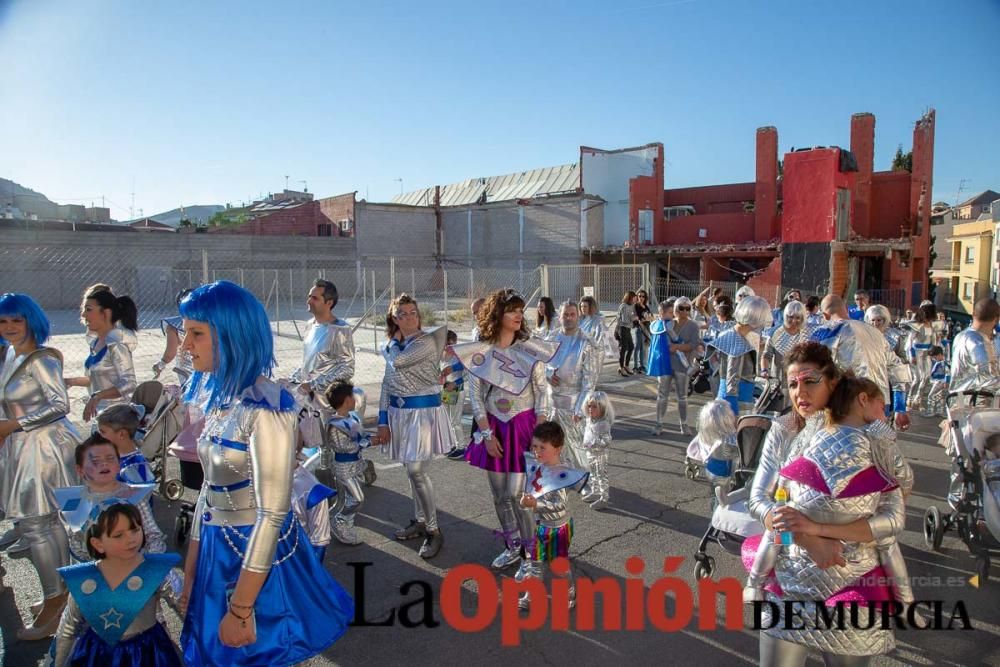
419 434
32 464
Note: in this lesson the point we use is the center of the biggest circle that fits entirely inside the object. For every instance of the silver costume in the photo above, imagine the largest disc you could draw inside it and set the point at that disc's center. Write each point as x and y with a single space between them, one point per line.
575 364
779 342
838 455
974 363
918 345
37 458
410 405
248 455
77 505
596 443
862 348
73 622
327 357
737 365
593 326
346 438
112 368
311 504
504 384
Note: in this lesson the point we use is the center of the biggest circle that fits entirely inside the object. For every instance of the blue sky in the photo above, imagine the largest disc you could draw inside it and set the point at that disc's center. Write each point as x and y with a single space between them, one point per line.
216 101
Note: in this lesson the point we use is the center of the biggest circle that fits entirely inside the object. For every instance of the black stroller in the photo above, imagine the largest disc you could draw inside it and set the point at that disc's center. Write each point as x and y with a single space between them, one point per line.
699 381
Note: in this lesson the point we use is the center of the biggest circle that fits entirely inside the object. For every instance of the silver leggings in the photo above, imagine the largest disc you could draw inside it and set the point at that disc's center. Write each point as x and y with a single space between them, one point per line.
353 497
49 546
423 493
776 652
664 384
597 464
507 488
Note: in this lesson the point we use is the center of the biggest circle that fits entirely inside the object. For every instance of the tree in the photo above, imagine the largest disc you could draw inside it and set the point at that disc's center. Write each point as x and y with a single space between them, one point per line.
902 161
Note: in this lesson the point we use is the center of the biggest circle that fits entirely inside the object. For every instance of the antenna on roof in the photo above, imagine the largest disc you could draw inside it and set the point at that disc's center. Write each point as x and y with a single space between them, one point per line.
286 181
961 186
305 188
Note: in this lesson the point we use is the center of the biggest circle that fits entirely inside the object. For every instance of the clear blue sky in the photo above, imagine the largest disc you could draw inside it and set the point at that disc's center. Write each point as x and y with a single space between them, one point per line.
214 102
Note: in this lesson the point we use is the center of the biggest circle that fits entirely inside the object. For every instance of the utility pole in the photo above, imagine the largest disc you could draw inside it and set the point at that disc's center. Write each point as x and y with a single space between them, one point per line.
286 181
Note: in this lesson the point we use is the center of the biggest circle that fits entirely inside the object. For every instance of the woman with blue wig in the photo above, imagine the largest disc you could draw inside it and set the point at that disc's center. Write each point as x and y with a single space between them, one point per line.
36 454
255 592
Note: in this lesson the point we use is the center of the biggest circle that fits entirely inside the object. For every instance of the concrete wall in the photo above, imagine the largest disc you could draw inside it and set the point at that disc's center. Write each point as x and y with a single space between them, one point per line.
393 229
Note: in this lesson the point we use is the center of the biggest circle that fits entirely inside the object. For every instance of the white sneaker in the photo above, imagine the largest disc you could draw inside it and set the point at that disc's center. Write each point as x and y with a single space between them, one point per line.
685 429
506 558
528 570
656 430
600 503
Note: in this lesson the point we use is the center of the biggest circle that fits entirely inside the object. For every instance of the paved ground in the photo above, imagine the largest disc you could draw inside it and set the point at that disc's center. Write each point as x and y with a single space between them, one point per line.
655 512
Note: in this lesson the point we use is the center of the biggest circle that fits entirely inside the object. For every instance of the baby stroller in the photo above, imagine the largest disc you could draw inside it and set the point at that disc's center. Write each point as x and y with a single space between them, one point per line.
163 420
699 380
975 496
731 523
771 399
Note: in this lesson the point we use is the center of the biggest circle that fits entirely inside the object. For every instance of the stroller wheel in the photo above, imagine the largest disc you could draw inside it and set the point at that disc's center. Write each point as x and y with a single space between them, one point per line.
182 527
933 528
691 473
173 489
983 568
704 567
370 475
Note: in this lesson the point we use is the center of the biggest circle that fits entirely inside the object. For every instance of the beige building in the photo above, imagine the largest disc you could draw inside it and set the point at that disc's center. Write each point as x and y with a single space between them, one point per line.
966 278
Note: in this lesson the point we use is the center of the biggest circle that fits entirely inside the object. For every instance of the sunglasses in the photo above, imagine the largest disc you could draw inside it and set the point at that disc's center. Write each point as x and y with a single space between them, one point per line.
683 307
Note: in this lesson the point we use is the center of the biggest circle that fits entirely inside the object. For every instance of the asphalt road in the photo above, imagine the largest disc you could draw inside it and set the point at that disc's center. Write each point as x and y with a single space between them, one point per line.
655 512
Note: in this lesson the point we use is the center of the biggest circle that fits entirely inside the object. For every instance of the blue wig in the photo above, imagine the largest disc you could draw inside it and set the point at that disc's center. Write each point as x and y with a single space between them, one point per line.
23 306
242 344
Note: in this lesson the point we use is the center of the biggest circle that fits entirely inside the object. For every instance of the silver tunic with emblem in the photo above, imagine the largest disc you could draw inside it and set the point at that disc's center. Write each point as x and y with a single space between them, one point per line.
39 457
413 369
507 382
862 349
115 370
246 443
780 342
974 363
575 364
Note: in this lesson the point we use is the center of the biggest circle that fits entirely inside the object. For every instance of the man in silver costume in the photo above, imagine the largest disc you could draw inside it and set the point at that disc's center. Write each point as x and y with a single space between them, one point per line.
572 375
974 364
862 348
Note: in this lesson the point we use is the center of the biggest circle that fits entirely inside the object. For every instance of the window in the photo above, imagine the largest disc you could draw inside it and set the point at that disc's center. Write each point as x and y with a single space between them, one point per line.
970 254
968 290
325 229
645 226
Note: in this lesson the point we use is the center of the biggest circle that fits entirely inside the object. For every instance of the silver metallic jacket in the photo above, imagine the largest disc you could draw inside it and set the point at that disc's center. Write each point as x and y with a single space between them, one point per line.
33 393
838 455
248 450
862 348
548 485
593 326
576 366
778 345
597 434
736 362
327 355
114 370
413 367
345 435
920 339
505 383
974 364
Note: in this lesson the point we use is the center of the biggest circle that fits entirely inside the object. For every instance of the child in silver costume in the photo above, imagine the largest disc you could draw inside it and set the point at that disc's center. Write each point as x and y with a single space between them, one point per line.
545 492
596 443
865 417
940 377
342 455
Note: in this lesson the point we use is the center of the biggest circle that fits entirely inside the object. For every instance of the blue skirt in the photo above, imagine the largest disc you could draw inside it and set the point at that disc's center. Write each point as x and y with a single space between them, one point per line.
151 648
300 612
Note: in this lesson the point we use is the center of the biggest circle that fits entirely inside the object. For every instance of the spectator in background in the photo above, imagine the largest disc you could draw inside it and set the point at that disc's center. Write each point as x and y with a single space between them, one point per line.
640 330
623 332
861 303
545 321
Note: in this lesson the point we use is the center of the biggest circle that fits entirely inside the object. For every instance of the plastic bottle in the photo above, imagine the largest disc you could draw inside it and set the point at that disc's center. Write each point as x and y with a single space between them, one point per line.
781 537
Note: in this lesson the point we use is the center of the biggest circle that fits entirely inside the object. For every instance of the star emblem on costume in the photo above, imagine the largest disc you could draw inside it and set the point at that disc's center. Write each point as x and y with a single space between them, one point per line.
112 618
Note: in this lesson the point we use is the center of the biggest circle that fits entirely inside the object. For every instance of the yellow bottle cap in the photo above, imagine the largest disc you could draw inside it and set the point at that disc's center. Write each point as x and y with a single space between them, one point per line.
781 495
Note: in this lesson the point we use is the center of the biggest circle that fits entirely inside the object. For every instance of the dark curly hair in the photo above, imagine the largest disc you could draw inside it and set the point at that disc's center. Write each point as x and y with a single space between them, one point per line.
811 352
403 299
490 316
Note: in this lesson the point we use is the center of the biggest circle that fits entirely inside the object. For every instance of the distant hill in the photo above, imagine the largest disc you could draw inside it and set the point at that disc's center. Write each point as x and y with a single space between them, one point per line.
198 214
10 189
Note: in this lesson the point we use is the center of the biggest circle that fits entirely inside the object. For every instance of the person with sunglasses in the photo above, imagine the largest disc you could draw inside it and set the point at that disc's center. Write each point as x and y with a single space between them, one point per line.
782 339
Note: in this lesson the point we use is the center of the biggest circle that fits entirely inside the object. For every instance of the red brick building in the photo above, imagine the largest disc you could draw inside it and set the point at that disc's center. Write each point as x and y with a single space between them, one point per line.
826 221
331 216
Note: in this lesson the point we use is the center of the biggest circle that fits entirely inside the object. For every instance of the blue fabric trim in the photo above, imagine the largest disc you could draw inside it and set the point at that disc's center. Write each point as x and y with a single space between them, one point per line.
898 401
230 487
822 334
95 358
383 417
318 494
286 402
346 457
719 467
415 402
231 444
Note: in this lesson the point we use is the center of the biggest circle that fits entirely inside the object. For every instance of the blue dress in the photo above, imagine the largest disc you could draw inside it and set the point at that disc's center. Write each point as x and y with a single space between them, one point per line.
659 350
244 520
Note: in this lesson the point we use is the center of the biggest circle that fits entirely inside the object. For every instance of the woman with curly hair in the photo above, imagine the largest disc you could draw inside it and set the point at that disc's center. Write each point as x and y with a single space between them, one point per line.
412 422
507 388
